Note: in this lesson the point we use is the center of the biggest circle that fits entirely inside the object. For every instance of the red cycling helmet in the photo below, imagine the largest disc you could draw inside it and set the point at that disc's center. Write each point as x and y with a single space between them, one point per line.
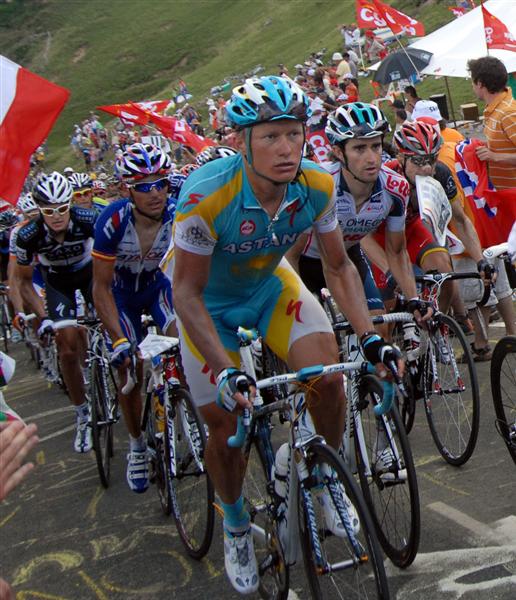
417 138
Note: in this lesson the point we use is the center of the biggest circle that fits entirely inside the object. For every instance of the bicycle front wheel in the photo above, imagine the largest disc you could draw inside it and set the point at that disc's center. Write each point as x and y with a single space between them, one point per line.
349 565
190 487
102 401
503 384
259 501
451 392
387 475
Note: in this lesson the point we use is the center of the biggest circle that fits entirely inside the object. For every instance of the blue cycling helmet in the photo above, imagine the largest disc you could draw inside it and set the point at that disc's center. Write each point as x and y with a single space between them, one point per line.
267 98
355 120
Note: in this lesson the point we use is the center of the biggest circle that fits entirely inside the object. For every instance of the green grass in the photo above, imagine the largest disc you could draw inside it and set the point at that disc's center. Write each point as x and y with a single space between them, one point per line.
111 51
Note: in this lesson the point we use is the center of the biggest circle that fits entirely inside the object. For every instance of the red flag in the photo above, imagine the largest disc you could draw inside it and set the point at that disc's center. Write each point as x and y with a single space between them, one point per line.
29 106
497 35
458 11
134 113
176 130
372 14
319 143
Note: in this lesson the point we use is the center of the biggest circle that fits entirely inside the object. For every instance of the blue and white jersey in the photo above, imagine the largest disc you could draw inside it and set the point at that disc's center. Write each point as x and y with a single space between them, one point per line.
387 203
116 240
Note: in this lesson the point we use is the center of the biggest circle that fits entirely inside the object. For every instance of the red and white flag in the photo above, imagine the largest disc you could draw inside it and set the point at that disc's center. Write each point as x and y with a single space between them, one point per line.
458 11
497 35
29 107
372 14
176 130
131 112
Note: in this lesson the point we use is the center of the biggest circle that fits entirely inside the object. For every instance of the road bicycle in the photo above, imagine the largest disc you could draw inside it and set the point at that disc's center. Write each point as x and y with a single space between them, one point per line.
376 448
5 317
441 371
348 566
503 369
176 442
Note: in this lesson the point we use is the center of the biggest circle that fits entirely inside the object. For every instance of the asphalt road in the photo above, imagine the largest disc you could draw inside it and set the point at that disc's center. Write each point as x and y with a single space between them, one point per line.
63 537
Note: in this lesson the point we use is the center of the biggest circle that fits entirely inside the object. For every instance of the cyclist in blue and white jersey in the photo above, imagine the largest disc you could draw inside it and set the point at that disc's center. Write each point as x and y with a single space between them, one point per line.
235 220
61 239
131 238
367 195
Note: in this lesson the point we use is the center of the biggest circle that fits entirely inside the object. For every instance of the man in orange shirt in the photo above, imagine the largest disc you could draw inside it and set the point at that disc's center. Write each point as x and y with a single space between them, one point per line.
489 80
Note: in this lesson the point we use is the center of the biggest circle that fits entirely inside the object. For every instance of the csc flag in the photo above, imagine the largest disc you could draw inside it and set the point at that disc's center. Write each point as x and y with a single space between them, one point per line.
497 35
372 14
29 107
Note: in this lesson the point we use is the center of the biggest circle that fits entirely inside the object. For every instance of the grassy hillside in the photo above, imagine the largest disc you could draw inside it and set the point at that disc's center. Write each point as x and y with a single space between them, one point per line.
120 50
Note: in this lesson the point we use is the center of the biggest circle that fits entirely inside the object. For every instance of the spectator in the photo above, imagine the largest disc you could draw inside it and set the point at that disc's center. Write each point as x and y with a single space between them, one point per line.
375 48
489 79
400 116
428 112
342 68
412 98
352 65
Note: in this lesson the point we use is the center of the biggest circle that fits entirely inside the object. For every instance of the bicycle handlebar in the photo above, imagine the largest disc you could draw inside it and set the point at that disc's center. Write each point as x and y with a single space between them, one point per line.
131 377
244 420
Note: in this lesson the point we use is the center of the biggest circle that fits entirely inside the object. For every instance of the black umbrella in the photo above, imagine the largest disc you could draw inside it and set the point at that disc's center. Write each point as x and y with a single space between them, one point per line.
402 64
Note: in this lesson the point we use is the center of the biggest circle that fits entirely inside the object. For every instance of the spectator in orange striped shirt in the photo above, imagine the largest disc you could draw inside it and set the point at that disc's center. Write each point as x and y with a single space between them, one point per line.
489 80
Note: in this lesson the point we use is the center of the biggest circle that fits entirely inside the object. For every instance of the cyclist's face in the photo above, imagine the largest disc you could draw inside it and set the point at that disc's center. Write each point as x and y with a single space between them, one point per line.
277 148
57 222
411 170
152 203
364 157
83 198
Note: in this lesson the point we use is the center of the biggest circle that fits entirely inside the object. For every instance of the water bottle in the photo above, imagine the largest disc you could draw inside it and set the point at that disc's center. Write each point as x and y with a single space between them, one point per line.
411 340
159 409
280 471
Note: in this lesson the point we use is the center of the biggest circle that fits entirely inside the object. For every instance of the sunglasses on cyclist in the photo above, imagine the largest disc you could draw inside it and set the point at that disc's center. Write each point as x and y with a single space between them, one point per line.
145 188
80 193
421 161
51 212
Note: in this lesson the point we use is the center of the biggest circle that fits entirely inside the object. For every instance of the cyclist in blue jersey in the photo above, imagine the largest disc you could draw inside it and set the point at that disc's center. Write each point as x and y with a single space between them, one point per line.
235 220
61 240
131 238
367 195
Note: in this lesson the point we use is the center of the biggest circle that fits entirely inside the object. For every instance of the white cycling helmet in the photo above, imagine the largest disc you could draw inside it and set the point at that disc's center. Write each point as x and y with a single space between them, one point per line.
141 160
78 181
26 203
53 188
214 152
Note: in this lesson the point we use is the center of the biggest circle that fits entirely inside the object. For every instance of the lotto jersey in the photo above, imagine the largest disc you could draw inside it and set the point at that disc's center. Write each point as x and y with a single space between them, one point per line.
386 204
219 215
116 240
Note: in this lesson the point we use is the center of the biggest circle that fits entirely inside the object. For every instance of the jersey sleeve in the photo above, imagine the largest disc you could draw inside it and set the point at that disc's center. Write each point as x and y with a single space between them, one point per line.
445 178
12 241
194 227
396 218
26 243
321 191
107 233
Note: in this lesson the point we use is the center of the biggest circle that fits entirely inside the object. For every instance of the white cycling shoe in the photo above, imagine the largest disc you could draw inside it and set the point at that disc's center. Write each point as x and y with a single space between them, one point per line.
240 561
331 515
83 440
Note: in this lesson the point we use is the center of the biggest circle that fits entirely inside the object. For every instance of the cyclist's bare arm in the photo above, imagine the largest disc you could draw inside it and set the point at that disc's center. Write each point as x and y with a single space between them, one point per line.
374 252
399 262
466 231
103 272
14 287
29 296
295 252
191 272
344 281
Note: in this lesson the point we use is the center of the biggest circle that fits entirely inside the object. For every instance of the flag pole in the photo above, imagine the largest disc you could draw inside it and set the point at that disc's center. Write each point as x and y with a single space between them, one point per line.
483 21
451 102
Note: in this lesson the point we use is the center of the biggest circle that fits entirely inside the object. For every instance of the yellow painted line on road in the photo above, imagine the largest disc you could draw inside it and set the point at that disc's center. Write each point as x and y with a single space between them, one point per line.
444 485
65 560
210 567
40 458
9 516
184 563
91 511
93 586
426 460
31 594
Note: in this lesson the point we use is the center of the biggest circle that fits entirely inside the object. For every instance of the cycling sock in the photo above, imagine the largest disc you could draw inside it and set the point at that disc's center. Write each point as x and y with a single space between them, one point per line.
83 412
137 444
236 518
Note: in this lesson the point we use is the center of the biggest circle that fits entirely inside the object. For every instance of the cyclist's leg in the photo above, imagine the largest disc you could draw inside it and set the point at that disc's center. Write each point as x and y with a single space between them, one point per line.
162 310
295 327
503 292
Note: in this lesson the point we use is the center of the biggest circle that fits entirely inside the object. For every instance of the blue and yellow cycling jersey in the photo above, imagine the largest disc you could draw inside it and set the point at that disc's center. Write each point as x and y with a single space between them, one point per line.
219 215
116 240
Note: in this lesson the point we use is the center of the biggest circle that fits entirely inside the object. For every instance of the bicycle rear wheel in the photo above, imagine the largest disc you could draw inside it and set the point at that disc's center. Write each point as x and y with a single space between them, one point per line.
191 489
337 567
503 384
259 501
102 407
387 475
451 393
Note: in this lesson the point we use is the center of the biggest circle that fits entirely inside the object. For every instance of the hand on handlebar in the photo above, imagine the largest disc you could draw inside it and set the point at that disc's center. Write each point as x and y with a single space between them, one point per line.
385 357
123 351
235 388
422 310
46 327
19 321
487 271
